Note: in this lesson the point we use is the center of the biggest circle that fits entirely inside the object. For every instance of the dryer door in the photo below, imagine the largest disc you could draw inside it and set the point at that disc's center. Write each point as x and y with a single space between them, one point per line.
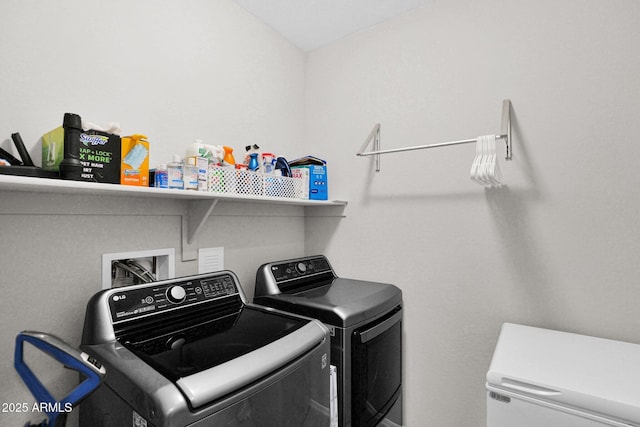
376 369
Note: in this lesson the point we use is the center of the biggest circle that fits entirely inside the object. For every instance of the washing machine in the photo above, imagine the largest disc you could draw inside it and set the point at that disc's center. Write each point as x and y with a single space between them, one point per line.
192 352
365 323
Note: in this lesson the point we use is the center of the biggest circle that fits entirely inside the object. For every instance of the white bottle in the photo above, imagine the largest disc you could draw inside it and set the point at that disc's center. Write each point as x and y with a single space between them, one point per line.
174 171
197 149
190 174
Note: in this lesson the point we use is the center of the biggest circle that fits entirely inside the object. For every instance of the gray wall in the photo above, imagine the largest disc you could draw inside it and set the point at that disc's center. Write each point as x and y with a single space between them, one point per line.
556 247
174 71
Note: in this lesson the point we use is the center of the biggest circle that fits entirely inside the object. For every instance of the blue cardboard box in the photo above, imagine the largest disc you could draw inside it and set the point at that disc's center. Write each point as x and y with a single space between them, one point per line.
314 171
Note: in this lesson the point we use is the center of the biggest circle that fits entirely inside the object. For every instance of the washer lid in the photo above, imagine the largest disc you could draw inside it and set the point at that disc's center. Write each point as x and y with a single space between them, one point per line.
591 374
220 380
186 350
343 302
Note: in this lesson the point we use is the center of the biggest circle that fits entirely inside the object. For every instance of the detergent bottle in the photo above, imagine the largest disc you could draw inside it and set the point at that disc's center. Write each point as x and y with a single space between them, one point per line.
196 149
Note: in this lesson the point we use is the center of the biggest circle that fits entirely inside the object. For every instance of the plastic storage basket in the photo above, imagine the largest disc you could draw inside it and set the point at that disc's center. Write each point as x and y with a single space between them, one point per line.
239 181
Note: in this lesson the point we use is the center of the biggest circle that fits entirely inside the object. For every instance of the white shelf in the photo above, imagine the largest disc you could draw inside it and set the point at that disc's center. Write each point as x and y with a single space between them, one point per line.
61 186
199 204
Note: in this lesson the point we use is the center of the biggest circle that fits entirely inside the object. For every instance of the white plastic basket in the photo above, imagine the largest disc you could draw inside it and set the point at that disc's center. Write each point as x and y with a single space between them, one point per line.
240 181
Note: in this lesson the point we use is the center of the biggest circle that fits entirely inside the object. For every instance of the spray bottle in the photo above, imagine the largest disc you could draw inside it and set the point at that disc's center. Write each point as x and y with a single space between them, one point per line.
228 160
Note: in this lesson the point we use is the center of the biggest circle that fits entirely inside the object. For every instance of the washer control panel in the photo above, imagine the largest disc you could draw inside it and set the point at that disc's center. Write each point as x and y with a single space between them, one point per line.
142 300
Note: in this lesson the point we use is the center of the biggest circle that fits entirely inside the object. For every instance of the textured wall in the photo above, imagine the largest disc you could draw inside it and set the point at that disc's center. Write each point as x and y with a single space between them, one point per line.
556 247
175 71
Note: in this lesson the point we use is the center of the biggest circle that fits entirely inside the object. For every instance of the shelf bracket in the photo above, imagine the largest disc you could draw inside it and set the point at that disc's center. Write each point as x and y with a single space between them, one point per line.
375 136
198 211
505 127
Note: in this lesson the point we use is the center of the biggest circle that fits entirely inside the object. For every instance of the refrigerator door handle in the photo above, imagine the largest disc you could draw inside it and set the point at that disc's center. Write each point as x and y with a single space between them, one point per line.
531 389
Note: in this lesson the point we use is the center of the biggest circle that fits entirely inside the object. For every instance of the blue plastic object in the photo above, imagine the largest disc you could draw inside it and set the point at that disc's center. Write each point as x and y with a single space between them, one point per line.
283 165
253 162
69 356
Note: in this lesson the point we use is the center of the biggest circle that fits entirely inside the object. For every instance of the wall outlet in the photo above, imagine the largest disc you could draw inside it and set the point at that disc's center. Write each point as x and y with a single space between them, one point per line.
127 268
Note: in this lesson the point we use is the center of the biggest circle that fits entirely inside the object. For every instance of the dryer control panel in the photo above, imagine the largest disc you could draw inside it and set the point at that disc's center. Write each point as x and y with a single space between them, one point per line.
143 300
293 275
300 268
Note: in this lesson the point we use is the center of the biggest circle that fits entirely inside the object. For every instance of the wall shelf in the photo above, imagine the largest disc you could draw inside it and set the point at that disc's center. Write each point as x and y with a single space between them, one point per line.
200 205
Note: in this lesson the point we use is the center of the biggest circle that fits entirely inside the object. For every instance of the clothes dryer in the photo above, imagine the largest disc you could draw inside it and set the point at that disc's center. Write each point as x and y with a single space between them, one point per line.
365 323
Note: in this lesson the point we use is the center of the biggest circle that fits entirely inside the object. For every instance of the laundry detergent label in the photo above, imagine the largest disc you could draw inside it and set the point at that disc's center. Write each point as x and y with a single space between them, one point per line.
100 154
88 140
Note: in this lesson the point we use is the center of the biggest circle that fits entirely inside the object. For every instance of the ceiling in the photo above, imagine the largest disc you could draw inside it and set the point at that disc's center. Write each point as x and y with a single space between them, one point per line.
310 24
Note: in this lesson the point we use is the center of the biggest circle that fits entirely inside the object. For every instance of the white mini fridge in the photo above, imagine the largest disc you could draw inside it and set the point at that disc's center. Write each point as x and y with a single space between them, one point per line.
545 378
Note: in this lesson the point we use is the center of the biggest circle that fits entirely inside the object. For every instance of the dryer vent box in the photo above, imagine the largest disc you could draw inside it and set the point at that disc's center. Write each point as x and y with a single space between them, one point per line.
129 268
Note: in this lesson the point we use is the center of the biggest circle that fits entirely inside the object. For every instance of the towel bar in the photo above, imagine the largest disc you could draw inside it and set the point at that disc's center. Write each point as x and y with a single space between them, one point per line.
505 135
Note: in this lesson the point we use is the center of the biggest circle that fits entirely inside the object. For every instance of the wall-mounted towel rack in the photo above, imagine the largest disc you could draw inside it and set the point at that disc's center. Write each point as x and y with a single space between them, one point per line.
374 135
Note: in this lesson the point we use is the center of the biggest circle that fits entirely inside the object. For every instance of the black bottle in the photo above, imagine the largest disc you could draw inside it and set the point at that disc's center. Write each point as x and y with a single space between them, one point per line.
71 166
